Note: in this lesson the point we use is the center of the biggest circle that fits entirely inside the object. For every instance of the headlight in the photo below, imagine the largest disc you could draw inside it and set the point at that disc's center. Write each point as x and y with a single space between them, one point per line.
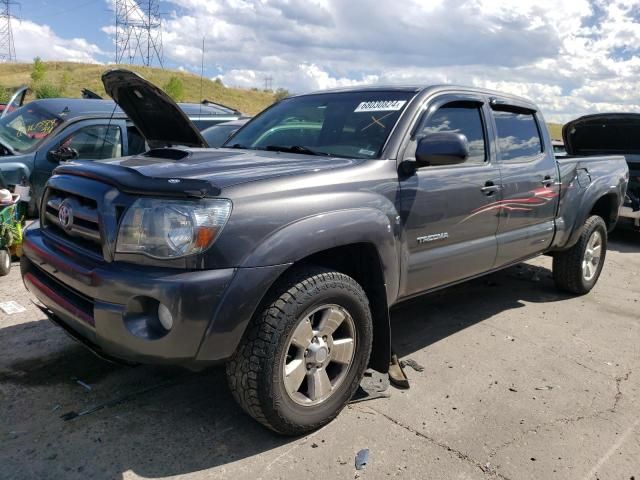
172 228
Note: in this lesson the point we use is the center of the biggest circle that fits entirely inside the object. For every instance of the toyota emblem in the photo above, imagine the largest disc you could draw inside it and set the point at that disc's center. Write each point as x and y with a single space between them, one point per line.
65 215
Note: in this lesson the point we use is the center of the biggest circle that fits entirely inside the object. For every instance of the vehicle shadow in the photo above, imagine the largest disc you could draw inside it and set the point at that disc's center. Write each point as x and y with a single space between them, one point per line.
624 240
159 422
428 319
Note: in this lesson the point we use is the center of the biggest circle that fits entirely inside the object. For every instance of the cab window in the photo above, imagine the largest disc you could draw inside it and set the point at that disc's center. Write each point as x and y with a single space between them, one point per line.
518 135
95 142
457 117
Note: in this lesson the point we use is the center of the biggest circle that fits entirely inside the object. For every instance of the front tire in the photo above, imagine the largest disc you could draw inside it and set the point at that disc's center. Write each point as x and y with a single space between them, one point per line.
577 270
303 356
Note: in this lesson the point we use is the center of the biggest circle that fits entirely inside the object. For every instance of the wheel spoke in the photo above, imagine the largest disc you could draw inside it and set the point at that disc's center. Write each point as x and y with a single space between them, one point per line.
589 270
342 350
331 319
294 373
585 271
319 384
595 251
303 334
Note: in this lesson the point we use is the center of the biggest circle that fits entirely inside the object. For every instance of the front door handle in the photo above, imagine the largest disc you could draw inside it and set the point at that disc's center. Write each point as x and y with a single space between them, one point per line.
490 188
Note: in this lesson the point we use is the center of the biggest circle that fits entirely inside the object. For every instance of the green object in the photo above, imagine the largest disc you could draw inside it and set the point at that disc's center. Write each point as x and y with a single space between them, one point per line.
10 226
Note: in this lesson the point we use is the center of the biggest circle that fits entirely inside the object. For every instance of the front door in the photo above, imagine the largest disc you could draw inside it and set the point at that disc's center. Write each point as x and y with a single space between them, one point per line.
448 222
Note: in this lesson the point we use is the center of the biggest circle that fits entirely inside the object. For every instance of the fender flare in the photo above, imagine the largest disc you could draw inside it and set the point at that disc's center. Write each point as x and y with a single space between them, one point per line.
314 234
589 200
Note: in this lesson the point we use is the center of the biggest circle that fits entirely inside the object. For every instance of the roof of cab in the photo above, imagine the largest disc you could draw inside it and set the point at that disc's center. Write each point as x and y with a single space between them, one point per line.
419 89
80 107
77 107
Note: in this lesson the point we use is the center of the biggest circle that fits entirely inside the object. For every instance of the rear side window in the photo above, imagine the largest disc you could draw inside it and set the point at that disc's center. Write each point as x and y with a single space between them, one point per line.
459 117
518 135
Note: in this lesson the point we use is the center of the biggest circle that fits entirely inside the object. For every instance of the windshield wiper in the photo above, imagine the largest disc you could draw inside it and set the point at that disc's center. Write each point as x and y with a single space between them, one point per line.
295 149
236 145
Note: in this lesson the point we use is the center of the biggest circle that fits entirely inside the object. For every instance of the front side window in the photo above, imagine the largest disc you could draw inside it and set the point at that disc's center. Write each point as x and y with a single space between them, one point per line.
518 135
459 117
346 124
95 142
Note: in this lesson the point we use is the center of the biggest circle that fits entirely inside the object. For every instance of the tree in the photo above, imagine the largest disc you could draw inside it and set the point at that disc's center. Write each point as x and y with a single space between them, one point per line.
175 88
280 94
38 70
46 90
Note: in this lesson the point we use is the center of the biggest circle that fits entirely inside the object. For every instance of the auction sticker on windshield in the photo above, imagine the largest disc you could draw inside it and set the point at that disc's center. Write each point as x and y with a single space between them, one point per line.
380 106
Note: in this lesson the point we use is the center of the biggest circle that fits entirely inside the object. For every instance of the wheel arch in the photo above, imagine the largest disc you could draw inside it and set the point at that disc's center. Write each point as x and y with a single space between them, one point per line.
360 243
361 261
605 205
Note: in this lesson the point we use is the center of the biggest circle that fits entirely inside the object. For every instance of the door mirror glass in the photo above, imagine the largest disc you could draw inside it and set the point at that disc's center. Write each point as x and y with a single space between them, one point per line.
443 148
63 154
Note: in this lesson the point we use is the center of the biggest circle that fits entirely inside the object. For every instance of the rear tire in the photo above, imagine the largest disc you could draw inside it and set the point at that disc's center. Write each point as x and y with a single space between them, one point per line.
577 270
303 356
5 262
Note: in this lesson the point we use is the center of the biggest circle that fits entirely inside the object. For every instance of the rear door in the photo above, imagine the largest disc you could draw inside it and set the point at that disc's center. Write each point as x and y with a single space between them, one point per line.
450 235
530 185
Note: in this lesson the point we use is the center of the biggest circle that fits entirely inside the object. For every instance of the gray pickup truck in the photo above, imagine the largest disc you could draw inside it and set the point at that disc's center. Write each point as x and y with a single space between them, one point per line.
281 253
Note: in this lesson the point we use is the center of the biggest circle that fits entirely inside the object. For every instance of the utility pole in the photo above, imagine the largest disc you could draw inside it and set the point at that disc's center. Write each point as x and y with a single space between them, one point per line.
7 48
268 82
138 32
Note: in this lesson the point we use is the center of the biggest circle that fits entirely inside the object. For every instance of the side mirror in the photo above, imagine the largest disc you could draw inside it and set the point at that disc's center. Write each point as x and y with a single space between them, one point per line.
443 148
63 154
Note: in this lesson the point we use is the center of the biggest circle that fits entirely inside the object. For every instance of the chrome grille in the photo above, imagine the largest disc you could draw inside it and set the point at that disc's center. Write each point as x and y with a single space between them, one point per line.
74 217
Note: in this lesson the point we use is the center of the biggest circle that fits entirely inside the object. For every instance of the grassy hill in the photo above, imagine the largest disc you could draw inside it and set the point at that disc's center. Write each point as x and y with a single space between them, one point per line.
71 78
555 130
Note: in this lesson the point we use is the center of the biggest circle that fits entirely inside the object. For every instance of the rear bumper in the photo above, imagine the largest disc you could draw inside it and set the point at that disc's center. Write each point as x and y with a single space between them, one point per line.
112 307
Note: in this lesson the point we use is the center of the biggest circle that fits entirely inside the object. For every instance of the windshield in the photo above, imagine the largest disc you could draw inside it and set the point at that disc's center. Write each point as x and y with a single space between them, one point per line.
347 124
218 134
26 127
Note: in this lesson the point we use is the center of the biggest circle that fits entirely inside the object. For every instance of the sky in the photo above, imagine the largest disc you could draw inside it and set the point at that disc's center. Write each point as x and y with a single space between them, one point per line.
571 57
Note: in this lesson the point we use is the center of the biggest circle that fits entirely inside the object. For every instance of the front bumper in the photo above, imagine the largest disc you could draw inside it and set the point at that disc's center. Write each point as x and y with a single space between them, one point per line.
112 307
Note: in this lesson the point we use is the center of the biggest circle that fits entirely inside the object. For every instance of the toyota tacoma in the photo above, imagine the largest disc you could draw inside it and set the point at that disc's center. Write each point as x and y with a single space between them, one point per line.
281 253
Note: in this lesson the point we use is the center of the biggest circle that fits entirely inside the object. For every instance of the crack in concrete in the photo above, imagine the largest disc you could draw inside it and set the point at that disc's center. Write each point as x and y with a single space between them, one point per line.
485 469
568 420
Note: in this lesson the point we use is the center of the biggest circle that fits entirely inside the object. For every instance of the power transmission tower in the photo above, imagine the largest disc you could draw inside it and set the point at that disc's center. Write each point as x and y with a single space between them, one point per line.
138 32
7 48
268 82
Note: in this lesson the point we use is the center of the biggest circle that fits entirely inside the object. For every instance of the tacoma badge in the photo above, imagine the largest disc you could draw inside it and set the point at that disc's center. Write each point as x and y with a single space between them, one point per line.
433 237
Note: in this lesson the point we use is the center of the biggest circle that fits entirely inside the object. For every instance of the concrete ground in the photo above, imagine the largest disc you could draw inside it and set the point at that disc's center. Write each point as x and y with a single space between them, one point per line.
520 382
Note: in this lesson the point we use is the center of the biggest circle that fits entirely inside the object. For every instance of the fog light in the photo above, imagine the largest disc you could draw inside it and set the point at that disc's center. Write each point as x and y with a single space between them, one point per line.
165 317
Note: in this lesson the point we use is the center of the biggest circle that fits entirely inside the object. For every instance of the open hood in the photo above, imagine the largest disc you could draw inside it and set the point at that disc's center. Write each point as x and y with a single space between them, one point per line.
603 133
155 114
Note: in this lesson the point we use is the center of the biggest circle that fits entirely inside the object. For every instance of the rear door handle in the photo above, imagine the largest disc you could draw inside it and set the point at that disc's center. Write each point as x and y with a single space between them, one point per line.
490 188
547 181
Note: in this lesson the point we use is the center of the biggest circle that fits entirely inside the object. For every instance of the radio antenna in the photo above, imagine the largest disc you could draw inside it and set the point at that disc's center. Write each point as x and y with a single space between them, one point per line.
201 76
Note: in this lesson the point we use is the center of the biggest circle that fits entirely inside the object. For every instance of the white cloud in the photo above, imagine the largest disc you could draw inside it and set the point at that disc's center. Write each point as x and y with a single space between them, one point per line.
571 58
574 58
35 40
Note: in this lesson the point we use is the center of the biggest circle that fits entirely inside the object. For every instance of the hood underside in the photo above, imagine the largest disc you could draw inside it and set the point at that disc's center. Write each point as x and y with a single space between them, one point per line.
157 116
607 133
